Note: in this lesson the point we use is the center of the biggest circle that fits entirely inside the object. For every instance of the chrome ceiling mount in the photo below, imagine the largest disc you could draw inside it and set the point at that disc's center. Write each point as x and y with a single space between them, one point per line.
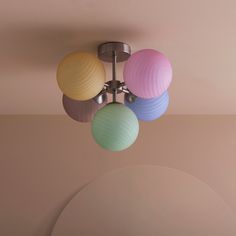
106 51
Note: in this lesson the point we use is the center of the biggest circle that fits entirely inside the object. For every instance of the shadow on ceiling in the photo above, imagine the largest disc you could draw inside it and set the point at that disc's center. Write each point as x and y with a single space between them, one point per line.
25 48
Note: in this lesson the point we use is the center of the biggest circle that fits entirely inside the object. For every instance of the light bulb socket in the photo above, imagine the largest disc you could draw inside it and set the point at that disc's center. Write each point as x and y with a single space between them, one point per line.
101 97
130 98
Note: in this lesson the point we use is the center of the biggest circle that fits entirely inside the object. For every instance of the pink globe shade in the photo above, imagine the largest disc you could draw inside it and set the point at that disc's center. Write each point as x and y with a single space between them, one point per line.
148 73
82 111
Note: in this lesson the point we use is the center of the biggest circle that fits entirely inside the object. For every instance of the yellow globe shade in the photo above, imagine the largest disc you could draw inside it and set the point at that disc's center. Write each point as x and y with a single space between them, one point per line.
81 76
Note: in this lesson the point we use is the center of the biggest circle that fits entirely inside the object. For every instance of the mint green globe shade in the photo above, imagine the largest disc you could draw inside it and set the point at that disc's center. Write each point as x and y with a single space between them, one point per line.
115 127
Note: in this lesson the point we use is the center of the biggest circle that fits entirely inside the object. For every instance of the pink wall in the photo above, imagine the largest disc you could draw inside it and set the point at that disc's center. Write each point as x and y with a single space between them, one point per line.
45 159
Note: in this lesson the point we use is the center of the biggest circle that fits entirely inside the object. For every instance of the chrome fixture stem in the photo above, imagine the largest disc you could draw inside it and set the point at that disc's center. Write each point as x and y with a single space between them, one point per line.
114 59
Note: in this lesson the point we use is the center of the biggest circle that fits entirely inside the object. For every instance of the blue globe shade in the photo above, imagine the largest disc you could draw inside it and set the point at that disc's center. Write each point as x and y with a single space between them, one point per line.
149 109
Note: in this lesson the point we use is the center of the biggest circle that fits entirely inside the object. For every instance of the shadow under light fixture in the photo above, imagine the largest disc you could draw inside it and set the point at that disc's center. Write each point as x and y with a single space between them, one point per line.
147 76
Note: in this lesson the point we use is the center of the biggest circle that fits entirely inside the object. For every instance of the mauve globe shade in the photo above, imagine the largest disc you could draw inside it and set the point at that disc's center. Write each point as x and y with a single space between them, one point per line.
148 73
80 76
149 109
82 111
115 127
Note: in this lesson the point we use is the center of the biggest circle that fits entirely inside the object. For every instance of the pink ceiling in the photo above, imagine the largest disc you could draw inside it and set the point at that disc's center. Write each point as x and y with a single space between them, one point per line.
198 36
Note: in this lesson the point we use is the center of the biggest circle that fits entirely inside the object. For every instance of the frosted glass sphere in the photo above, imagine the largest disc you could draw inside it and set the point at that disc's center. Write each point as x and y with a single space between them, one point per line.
80 76
82 111
149 109
147 73
115 127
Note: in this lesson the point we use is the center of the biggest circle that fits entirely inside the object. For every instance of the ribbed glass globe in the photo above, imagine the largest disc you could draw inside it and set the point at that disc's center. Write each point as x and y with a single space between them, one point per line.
149 109
81 76
115 127
82 111
147 73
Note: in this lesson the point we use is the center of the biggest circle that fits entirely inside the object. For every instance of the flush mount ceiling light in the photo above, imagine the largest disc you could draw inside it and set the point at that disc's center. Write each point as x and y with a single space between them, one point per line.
147 76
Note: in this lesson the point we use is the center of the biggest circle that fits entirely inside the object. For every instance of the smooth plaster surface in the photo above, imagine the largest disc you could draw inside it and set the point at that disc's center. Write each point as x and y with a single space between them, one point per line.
198 36
45 160
146 200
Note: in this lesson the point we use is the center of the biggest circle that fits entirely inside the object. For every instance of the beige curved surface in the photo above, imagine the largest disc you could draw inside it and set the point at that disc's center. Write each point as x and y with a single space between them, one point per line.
146 200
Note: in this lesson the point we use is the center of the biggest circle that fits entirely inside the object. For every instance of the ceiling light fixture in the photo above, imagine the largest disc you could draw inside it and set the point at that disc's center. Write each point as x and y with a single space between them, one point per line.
147 76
